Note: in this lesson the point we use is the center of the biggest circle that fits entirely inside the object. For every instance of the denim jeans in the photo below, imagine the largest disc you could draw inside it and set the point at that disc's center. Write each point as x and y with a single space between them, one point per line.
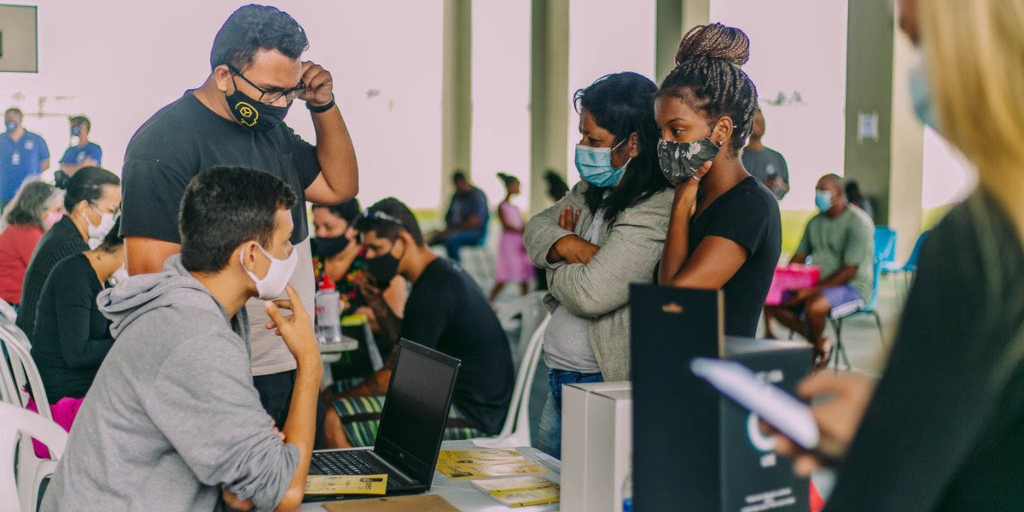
549 433
458 239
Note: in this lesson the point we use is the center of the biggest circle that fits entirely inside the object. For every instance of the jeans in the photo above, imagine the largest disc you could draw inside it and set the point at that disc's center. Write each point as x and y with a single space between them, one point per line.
459 239
549 434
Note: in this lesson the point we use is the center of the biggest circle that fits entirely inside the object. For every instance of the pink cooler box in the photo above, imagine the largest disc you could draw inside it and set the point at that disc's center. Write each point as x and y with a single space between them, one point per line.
791 277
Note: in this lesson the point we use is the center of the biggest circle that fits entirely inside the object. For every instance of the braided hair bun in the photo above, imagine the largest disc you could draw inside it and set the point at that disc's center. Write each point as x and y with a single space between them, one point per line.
716 41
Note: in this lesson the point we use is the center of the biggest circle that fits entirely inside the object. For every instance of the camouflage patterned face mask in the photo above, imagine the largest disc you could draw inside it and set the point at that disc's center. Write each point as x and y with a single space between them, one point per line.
680 160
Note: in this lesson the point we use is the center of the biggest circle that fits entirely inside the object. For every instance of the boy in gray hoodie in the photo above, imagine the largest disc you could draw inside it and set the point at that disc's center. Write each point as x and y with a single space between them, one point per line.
172 421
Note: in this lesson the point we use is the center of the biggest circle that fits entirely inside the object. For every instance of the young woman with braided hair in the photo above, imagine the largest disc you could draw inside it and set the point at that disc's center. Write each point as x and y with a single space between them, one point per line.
725 230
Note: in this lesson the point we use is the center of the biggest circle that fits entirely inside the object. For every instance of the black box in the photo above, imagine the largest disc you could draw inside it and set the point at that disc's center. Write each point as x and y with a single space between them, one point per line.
694 449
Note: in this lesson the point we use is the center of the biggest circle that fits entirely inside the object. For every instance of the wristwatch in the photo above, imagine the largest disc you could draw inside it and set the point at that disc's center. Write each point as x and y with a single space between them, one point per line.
322 108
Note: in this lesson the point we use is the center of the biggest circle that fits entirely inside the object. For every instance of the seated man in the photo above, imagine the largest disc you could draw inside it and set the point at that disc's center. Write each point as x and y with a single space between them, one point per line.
840 242
172 421
466 221
445 311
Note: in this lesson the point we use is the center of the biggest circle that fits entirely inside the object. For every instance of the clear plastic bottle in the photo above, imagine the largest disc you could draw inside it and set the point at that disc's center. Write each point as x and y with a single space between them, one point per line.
328 312
627 493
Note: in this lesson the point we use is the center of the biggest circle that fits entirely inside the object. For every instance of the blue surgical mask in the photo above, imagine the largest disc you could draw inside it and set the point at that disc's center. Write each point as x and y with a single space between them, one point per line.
921 96
823 200
595 166
11 125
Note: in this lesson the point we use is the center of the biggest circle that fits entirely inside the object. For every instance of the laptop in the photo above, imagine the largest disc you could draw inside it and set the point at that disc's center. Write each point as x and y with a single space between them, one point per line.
411 429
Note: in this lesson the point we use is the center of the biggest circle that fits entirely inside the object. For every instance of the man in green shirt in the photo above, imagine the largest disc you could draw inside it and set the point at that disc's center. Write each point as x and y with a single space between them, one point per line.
840 242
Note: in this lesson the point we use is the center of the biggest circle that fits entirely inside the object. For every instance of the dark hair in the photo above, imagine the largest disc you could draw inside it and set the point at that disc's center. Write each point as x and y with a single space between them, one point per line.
557 188
708 78
507 179
253 28
26 209
82 120
349 210
86 185
113 240
623 104
15 110
389 229
459 176
837 182
224 207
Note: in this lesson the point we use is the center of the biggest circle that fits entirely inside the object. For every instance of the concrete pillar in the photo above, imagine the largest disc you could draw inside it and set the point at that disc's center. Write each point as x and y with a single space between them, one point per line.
549 95
673 18
884 140
456 103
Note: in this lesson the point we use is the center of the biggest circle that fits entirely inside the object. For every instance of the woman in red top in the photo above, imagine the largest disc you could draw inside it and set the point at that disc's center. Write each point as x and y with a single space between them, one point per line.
36 208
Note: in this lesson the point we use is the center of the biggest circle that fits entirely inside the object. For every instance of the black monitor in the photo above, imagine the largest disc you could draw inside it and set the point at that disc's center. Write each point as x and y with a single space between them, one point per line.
415 413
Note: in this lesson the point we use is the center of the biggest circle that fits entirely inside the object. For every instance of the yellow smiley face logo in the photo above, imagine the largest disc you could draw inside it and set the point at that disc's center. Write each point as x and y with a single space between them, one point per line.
248 114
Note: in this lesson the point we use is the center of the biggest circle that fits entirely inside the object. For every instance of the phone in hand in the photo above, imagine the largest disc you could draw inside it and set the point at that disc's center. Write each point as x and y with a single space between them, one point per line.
783 411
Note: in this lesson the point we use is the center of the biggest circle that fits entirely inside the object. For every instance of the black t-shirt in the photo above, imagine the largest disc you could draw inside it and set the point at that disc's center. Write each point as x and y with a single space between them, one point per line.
943 432
747 214
186 138
71 337
447 311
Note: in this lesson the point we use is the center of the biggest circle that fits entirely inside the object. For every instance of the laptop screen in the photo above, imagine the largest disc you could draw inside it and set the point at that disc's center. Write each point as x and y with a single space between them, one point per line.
416 410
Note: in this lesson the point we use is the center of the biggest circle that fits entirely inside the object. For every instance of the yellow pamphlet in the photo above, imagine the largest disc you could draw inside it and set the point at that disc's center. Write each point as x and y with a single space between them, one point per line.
471 464
346 484
521 492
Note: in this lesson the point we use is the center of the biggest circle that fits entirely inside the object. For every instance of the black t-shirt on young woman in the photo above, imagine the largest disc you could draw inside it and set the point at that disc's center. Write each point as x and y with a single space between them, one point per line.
747 214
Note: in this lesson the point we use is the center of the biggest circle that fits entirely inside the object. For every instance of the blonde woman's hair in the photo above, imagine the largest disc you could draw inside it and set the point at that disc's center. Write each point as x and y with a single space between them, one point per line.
975 54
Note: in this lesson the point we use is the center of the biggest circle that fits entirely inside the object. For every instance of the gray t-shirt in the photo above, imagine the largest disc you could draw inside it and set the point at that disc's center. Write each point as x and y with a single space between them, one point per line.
848 239
567 338
766 164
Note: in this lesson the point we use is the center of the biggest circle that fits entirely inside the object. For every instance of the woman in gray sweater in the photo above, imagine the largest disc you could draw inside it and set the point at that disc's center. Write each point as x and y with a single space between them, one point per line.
604 235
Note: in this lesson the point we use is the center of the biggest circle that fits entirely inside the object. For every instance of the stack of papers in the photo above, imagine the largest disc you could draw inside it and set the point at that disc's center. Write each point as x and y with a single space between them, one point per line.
346 484
521 492
473 464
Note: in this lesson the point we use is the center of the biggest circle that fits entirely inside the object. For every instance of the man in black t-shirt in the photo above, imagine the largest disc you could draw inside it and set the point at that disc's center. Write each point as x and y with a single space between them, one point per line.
236 118
446 311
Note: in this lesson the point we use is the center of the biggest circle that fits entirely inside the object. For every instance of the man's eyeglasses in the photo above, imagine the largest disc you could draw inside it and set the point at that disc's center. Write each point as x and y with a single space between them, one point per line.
372 214
272 95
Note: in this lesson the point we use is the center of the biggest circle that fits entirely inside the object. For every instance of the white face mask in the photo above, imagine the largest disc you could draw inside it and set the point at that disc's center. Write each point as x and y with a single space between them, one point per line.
98 233
119 276
280 272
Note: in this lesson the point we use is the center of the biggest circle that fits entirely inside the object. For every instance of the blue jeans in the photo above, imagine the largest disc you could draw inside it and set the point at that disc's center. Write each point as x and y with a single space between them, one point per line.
459 239
549 432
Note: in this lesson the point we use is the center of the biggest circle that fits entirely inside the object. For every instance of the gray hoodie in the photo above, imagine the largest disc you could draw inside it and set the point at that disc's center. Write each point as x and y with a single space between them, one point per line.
172 417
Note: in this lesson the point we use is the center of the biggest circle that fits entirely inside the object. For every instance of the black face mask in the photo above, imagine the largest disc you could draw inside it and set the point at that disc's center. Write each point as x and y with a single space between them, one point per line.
383 268
328 247
254 115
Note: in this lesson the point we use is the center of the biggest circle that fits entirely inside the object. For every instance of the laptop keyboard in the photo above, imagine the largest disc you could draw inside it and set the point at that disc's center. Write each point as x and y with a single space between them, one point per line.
353 463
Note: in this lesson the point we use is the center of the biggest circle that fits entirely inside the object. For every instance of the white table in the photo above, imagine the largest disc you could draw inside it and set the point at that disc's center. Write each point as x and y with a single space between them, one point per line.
467 498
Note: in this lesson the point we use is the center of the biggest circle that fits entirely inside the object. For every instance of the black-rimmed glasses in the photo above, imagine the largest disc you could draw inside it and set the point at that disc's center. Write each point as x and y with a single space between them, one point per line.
270 96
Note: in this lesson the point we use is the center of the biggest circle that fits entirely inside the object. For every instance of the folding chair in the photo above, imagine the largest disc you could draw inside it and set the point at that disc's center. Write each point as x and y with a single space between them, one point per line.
905 271
871 308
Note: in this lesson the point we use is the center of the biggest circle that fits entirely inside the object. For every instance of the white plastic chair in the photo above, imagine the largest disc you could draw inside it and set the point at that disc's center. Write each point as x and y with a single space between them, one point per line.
32 470
7 311
530 311
16 426
516 430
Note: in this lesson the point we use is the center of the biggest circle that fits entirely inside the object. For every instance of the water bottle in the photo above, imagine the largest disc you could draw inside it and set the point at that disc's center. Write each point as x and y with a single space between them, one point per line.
627 493
328 312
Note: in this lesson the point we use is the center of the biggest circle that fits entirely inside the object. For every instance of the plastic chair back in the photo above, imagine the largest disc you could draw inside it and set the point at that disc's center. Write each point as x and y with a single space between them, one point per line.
7 311
516 430
885 244
915 254
26 374
17 424
531 312
873 301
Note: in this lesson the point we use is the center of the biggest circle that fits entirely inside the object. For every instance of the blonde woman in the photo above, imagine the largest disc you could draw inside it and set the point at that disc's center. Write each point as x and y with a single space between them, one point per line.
942 429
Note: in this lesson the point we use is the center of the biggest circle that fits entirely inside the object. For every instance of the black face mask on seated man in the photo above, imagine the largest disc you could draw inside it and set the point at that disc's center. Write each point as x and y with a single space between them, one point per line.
383 268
